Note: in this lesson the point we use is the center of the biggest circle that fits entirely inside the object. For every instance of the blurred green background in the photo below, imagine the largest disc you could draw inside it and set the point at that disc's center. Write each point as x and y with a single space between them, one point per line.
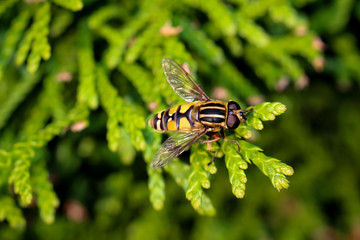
79 79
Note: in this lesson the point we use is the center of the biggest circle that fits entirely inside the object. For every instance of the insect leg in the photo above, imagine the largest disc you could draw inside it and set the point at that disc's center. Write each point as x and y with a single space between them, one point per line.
214 137
222 133
213 158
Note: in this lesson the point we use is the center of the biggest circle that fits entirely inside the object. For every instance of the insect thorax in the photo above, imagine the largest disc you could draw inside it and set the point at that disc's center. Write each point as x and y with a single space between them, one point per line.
212 113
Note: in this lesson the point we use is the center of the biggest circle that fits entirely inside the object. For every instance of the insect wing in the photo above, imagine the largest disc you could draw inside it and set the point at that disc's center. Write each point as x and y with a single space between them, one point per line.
173 147
182 82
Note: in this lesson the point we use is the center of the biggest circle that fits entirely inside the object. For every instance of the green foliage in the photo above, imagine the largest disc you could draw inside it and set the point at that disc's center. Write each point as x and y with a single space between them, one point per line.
236 166
45 195
199 178
20 177
264 112
17 95
271 167
36 40
12 37
156 187
80 79
6 4
73 5
10 212
119 111
186 178
86 93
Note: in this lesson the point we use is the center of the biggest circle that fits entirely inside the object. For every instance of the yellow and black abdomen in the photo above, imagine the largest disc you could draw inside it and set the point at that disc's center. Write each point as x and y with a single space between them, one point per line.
180 118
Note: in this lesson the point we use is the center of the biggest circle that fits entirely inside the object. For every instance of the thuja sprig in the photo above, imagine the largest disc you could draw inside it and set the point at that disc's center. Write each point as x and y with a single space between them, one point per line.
271 167
236 166
10 212
87 80
265 111
5 159
199 177
46 198
119 112
17 95
156 182
4 5
134 72
181 173
13 35
150 34
219 15
20 177
199 42
36 40
49 104
127 152
22 152
156 187
117 38
74 5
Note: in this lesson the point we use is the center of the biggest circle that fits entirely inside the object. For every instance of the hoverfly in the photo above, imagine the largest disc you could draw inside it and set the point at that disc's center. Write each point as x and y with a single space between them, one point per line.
191 120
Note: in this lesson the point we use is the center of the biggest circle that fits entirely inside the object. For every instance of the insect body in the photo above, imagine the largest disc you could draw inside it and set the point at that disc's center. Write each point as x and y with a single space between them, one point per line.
190 117
192 120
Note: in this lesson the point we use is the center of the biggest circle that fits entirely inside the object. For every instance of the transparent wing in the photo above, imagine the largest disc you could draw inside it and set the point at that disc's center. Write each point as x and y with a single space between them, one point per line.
173 147
182 82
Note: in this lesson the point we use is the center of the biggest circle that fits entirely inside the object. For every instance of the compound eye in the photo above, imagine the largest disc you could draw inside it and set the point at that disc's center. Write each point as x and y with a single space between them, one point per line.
232 122
233 106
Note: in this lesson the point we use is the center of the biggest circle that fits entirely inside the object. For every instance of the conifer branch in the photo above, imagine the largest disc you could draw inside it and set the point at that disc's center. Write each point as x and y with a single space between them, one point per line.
148 36
156 182
156 187
74 5
199 200
17 95
218 14
199 42
20 177
13 36
10 212
252 32
271 167
22 153
199 178
134 72
46 198
4 5
87 80
118 39
127 151
36 40
265 111
236 166
49 104
119 112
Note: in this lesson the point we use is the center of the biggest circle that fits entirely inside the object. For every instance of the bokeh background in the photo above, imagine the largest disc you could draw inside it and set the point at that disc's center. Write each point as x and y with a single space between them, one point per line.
79 79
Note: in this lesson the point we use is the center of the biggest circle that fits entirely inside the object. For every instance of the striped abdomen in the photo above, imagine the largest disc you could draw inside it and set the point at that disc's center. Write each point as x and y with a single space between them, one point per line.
212 113
180 118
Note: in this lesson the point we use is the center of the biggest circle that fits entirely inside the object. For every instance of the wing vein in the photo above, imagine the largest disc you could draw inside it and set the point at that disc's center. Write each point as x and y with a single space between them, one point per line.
182 82
174 146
